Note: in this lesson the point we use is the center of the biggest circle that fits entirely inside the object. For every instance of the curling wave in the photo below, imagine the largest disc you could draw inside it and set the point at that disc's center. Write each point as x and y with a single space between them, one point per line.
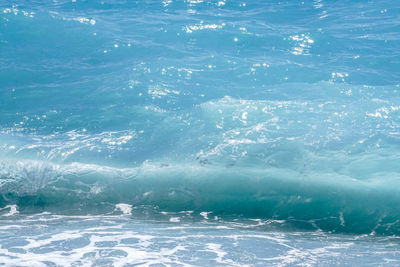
326 201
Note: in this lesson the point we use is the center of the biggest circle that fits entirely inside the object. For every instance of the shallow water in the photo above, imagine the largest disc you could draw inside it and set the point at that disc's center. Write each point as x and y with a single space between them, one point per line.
48 240
274 126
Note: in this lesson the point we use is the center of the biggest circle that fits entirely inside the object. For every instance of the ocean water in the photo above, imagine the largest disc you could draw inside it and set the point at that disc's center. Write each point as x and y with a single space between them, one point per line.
199 133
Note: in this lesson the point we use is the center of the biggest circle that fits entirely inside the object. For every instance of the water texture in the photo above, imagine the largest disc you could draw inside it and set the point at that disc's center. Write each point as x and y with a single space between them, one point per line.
225 114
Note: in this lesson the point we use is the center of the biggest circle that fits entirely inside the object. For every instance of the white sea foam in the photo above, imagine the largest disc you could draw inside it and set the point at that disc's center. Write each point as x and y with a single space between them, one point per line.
13 210
205 214
125 208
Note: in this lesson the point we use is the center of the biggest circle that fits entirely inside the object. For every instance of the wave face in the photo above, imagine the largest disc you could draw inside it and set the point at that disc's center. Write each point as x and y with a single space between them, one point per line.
283 111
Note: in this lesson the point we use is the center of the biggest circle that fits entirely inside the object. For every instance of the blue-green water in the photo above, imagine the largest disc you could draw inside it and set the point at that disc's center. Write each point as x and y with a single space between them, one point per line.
267 131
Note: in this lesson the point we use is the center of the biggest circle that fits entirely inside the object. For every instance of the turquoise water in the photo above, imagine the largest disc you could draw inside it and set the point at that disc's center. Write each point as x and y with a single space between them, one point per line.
267 131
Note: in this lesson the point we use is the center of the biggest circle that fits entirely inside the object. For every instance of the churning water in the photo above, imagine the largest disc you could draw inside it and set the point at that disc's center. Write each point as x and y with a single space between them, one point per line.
199 132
